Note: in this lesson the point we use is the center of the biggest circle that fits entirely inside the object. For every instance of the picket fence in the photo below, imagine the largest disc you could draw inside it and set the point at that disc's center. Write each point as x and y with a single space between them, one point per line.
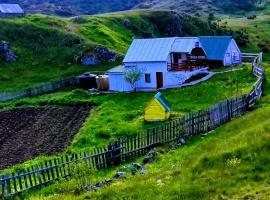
41 89
130 148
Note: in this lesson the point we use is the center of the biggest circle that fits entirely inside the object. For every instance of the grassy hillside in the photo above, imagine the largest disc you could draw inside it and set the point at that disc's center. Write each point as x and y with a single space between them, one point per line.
239 7
46 46
257 29
231 162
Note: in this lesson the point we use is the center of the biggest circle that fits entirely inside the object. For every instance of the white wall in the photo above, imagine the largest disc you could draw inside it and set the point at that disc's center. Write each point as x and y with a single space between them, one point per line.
232 55
118 83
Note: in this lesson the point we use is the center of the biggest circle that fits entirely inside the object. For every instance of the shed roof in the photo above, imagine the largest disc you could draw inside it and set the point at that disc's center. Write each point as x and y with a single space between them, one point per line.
163 101
149 50
117 69
11 8
215 46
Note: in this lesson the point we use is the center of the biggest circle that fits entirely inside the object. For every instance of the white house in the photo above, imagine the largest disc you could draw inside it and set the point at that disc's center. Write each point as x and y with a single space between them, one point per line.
164 62
11 10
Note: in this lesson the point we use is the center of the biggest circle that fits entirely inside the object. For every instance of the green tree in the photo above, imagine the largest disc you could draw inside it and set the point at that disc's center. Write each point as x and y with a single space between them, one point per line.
132 76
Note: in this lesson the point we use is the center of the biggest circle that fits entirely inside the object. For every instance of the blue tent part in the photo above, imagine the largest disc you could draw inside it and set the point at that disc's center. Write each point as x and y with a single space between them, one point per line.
163 101
215 46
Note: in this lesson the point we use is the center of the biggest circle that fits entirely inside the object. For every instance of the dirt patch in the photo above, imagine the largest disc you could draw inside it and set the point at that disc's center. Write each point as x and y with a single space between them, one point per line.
29 132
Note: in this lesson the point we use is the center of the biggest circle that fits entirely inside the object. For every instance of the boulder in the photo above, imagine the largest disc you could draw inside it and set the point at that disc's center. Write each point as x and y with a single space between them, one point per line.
4 46
126 23
10 56
119 175
100 54
104 54
6 53
89 60
147 160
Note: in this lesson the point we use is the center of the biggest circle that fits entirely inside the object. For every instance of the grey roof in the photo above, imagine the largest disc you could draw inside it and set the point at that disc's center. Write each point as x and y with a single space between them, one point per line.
184 44
118 69
11 9
149 50
158 49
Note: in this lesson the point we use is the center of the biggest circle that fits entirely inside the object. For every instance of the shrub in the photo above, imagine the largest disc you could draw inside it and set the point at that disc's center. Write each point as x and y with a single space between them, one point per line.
82 173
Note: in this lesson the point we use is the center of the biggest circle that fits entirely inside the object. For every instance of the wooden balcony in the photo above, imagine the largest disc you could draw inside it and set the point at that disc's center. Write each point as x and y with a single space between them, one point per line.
175 67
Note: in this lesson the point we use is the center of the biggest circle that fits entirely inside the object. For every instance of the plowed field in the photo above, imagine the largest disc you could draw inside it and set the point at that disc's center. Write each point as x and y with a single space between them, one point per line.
29 132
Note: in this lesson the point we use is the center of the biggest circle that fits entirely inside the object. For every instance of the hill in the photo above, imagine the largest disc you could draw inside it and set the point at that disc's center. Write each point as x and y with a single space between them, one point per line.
77 7
207 6
257 29
47 45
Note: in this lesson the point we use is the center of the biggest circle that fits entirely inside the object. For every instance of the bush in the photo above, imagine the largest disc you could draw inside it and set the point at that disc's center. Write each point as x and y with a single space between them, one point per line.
264 45
82 173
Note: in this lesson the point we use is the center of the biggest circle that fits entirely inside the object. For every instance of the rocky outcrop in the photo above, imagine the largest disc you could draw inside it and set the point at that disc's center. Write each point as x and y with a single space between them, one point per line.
6 53
99 55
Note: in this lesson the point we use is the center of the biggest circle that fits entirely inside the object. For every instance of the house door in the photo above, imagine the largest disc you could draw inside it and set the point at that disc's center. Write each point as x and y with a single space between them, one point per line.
159 80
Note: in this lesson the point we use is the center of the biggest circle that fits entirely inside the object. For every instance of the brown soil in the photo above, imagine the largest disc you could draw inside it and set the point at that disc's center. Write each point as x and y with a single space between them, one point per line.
29 132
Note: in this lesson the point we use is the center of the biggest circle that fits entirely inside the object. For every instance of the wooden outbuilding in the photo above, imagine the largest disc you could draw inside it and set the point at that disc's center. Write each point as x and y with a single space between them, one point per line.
158 109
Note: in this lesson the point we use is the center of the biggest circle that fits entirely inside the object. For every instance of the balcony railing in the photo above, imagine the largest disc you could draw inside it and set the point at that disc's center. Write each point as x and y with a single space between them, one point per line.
182 67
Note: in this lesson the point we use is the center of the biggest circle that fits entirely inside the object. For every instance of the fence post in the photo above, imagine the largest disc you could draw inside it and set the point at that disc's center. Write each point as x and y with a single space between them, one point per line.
114 154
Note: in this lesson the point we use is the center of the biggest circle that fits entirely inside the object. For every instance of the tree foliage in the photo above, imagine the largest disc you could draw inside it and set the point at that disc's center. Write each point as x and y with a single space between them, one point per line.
132 76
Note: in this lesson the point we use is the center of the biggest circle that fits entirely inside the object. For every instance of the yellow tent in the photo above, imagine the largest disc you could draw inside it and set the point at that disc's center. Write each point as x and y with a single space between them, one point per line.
158 109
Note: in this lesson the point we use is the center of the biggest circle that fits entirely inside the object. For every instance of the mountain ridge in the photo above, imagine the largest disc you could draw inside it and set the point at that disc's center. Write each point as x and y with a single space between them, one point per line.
90 7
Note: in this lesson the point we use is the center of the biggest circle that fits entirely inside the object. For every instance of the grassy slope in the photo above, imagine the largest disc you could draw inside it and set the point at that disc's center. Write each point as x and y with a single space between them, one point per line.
123 113
47 45
230 163
257 29
45 51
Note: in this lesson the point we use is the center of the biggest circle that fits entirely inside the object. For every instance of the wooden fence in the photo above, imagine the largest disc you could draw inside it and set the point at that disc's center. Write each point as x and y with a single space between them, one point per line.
42 89
130 148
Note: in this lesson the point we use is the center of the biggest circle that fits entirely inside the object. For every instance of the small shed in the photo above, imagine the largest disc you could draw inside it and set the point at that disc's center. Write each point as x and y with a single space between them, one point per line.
158 109
11 10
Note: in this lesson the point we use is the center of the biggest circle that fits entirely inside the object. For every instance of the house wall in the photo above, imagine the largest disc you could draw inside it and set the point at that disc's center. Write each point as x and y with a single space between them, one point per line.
170 79
232 55
118 83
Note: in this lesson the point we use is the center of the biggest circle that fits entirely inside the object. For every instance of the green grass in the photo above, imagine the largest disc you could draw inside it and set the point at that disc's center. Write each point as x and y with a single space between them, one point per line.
257 29
230 163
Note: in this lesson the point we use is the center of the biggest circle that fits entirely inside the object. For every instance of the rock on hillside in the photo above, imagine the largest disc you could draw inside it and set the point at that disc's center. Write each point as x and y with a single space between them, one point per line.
6 53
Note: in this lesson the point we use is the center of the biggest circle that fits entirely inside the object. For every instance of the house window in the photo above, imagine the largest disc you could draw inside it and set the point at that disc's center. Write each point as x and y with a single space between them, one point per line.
235 56
148 78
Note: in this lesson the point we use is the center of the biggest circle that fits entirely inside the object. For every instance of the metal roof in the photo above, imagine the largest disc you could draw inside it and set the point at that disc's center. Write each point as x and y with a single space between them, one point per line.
158 49
184 44
11 9
118 69
149 50
215 46
163 101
